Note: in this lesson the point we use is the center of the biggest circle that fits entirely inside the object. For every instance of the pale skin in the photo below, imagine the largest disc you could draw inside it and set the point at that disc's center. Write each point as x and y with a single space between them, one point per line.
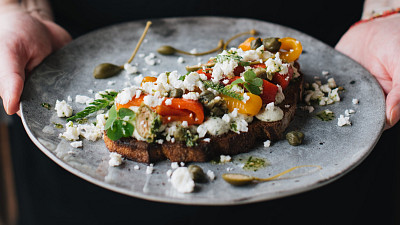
28 35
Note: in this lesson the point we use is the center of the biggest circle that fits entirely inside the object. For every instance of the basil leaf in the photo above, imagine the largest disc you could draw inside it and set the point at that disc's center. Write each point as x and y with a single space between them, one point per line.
252 88
256 82
237 81
249 75
112 116
127 129
115 131
124 112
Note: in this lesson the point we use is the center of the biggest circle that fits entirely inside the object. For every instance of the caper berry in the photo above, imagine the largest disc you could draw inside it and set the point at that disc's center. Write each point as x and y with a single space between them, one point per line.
106 70
175 93
254 44
166 50
197 173
262 73
295 137
271 44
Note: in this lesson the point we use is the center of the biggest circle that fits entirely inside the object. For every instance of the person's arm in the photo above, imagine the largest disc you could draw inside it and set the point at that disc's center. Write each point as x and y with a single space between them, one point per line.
375 44
27 36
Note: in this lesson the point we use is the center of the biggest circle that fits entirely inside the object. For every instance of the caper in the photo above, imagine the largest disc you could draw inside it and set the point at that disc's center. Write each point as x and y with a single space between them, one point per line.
262 73
106 70
179 133
197 173
206 97
166 50
295 137
254 44
175 93
272 44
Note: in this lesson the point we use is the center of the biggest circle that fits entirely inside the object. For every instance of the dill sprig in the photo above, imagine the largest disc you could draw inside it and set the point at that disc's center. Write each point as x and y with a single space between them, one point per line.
105 102
222 89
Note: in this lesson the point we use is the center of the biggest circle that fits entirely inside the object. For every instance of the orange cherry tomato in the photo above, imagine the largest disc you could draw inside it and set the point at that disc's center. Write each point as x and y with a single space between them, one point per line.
148 79
251 107
246 45
290 49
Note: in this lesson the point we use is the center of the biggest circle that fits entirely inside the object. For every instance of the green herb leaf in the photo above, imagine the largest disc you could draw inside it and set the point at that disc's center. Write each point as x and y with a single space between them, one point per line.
118 125
325 115
222 89
96 105
252 88
249 75
237 81
112 116
115 131
124 112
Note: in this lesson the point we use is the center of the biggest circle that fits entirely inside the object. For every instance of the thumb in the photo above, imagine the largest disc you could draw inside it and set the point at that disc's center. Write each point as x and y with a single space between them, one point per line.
12 76
393 105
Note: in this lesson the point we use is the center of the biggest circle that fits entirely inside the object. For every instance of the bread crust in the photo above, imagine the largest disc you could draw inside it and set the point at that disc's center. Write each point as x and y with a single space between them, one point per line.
226 144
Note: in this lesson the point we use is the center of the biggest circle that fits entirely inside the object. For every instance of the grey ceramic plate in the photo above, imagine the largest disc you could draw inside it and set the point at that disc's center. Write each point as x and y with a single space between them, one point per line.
336 149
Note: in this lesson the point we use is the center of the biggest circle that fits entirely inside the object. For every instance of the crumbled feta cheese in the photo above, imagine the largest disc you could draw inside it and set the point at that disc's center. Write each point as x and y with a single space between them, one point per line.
355 101
63 109
213 126
169 173
270 113
325 73
136 167
210 174
343 121
181 60
130 69
191 96
71 132
225 158
112 82
174 165
245 97
267 143
168 101
76 144
69 99
83 99
152 101
115 159
225 68
150 59
206 139
150 168
182 181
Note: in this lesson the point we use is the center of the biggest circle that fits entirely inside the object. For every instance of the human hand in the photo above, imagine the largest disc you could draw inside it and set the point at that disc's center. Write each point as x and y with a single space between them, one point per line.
376 45
25 40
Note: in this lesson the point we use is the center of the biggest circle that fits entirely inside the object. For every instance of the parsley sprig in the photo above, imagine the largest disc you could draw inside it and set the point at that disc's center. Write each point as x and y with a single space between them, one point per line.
105 103
119 123
222 89
251 82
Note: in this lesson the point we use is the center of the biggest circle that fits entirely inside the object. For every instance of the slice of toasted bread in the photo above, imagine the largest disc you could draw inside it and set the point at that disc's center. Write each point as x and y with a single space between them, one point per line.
229 143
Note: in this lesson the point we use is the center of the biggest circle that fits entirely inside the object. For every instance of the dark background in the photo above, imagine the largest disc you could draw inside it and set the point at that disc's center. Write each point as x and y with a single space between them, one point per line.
50 195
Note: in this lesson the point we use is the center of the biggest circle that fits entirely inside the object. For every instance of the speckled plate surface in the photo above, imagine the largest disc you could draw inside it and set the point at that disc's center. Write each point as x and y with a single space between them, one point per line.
68 72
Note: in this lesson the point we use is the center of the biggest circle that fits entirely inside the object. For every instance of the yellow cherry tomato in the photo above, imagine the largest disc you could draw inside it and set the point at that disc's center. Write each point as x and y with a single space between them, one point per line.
290 49
148 79
246 45
251 107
